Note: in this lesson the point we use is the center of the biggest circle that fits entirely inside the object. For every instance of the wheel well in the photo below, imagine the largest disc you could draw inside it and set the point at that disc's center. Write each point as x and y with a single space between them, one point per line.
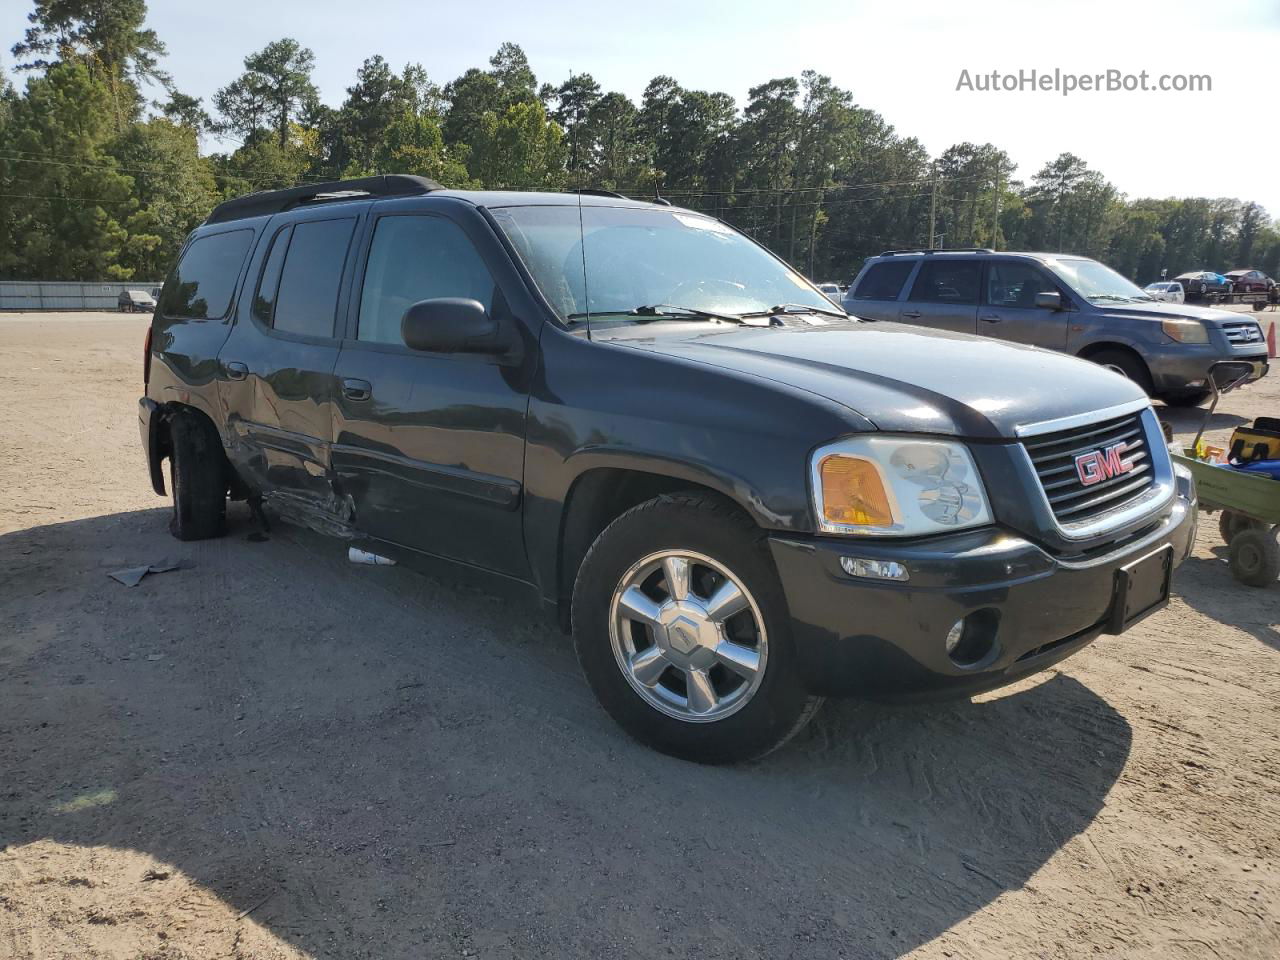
164 443
595 500
1093 349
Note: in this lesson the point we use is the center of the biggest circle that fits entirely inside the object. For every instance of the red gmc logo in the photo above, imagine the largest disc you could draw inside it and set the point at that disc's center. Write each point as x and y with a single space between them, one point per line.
1098 465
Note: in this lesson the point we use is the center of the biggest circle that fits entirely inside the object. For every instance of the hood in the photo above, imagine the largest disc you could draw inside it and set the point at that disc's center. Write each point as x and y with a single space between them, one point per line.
902 378
1163 310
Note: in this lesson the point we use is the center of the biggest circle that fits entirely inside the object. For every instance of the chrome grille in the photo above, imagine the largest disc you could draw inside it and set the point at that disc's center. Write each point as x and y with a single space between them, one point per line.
1054 457
1248 332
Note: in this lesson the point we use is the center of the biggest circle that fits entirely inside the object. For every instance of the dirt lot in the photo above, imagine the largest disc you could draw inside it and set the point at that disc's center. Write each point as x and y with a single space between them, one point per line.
274 753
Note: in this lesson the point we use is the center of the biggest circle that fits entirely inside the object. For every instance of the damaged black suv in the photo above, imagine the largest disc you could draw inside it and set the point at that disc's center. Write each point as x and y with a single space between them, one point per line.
739 499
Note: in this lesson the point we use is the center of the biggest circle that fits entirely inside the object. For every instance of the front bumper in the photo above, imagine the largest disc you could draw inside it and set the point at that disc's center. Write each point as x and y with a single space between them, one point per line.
886 640
1175 369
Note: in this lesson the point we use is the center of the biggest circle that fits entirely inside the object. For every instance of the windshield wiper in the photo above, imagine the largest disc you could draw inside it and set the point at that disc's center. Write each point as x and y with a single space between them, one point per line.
662 311
793 308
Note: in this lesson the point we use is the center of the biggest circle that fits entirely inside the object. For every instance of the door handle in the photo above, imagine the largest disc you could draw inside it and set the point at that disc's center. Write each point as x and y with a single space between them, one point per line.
357 389
991 319
235 370
912 314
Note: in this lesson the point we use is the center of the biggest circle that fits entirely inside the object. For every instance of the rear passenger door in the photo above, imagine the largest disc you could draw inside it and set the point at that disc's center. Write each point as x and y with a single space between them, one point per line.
944 295
1009 308
276 368
875 295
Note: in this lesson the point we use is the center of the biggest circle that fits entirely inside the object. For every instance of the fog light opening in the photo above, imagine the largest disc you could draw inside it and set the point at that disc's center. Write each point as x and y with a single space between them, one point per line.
971 641
874 569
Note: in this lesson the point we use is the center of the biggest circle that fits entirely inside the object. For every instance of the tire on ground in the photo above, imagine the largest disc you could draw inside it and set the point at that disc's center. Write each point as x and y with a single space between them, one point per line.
1254 557
198 476
709 525
1231 523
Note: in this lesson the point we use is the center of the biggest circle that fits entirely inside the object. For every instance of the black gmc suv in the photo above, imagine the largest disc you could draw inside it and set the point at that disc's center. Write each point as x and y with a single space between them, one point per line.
738 498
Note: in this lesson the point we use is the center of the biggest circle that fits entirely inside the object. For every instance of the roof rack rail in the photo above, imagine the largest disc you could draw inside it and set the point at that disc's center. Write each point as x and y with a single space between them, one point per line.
897 253
593 192
267 202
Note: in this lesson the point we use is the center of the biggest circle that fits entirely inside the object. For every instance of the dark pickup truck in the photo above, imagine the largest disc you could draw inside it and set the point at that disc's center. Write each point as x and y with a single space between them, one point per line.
739 499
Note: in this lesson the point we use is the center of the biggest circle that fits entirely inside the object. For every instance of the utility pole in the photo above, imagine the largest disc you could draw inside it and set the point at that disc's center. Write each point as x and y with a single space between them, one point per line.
933 205
995 225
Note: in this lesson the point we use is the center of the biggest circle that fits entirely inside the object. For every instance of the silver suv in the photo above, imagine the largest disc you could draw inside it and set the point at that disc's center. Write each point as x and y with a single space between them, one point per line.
1061 302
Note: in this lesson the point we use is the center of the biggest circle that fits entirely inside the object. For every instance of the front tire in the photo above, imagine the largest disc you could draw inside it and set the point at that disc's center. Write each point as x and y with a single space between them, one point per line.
1254 557
198 476
1125 364
682 631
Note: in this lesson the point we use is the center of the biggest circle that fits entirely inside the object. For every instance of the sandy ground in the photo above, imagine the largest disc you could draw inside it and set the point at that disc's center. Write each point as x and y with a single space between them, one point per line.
274 753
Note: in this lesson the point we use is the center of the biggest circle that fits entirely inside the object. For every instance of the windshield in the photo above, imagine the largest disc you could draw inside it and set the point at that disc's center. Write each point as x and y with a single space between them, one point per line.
642 257
1093 281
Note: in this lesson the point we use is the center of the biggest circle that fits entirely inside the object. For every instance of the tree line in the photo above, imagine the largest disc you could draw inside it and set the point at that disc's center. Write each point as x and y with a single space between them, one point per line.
102 173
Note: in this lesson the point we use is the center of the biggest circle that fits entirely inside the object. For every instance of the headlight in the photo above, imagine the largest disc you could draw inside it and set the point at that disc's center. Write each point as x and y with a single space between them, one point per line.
1185 331
896 486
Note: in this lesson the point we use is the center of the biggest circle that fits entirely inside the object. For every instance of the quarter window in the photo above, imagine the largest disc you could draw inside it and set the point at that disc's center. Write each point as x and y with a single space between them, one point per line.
307 297
883 281
947 281
203 282
416 258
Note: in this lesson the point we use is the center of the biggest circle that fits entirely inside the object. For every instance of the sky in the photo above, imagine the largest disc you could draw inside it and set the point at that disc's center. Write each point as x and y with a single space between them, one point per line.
903 59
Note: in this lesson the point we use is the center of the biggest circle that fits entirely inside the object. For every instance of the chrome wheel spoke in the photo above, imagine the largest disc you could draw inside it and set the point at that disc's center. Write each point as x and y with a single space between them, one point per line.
634 604
649 665
743 661
702 695
725 601
676 570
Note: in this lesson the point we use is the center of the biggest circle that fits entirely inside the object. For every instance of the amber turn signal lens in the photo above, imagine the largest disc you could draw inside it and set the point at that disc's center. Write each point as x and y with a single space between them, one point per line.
853 493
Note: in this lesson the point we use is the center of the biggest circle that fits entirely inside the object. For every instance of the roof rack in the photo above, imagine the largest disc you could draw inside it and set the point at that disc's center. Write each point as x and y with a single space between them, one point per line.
898 253
277 201
593 192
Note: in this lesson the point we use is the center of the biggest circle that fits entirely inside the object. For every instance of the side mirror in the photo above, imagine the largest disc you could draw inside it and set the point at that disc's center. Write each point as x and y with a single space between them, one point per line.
451 325
1049 300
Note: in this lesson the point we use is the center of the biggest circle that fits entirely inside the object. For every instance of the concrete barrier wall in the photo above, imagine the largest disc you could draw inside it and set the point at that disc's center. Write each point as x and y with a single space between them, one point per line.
64 295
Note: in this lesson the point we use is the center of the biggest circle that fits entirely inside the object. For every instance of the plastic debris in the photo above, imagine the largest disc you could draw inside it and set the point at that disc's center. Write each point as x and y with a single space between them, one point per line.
356 555
132 576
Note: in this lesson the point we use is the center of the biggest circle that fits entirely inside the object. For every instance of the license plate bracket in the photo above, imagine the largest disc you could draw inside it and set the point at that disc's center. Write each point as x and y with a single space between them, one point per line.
1141 589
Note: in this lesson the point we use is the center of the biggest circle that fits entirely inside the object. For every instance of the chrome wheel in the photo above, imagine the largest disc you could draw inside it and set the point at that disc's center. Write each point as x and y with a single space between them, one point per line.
688 636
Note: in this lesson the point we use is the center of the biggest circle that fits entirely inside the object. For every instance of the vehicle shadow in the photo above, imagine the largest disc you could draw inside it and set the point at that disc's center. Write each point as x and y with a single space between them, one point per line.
1207 586
1188 420
381 764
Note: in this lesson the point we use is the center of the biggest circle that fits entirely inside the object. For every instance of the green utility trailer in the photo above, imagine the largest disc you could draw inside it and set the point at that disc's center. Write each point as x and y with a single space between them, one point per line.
1250 502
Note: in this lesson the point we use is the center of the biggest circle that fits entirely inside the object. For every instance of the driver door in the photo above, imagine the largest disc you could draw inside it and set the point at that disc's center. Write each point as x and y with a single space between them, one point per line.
430 446
1009 309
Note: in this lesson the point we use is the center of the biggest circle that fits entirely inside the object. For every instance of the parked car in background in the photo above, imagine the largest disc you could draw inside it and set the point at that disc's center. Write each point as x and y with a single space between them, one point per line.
1168 291
738 498
1249 281
831 290
1062 302
1199 283
135 301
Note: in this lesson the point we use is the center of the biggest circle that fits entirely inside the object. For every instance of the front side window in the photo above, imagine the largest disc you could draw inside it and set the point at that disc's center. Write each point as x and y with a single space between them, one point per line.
947 281
307 298
416 258
1016 285
204 281
617 259
883 281
264 300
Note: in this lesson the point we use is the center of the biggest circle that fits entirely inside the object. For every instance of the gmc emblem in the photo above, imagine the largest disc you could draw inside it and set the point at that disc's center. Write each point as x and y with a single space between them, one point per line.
1098 465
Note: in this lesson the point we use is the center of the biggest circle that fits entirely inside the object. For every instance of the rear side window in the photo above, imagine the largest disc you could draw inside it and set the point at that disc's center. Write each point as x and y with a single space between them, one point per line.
883 281
204 280
947 281
307 296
